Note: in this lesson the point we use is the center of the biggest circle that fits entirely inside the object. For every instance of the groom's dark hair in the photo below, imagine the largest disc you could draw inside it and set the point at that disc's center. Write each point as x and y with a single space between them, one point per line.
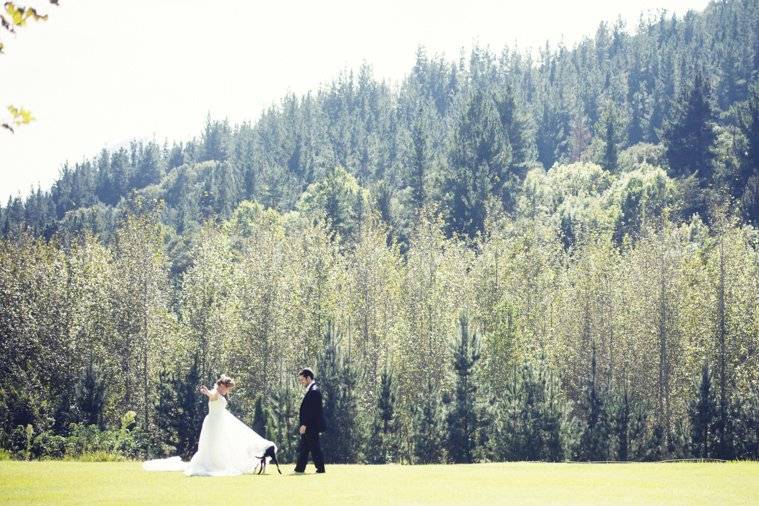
306 373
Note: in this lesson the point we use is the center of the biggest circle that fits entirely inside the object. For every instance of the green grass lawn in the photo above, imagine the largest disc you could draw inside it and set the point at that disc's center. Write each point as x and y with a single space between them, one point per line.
511 483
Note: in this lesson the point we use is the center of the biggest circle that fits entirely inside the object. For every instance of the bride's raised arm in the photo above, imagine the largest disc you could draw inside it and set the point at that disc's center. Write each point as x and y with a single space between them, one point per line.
211 394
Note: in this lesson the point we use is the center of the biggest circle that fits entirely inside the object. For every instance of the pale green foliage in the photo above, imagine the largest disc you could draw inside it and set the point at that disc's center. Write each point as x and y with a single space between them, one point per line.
141 294
262 288
639 154
209 305
339 199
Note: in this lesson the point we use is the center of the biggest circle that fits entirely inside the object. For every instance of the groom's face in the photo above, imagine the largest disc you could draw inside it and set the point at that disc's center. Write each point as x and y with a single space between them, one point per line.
303 380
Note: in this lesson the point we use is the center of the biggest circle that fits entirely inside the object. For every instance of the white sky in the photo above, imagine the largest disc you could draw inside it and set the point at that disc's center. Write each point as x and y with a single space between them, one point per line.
101 72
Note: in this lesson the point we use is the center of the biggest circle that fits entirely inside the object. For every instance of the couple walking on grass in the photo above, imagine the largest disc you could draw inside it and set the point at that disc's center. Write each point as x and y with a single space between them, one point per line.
228 447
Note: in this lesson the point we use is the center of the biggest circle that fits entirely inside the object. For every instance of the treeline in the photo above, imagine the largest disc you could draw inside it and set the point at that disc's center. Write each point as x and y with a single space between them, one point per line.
501 259
680 90
521 345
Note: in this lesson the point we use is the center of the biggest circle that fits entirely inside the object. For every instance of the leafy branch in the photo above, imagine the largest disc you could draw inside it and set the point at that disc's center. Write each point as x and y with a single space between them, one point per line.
12 17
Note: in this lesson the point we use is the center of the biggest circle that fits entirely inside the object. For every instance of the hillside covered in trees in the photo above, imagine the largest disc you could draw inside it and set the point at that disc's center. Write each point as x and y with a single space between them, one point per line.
505 257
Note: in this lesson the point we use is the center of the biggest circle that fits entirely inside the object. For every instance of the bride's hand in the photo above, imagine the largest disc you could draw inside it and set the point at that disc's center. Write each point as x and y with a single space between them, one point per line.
203 390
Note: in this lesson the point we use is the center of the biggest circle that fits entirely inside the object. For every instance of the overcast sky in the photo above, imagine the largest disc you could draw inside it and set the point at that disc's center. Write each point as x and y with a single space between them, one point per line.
101 72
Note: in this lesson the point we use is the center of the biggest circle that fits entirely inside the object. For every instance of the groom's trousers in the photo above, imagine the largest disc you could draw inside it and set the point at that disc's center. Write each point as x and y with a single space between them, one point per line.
309 443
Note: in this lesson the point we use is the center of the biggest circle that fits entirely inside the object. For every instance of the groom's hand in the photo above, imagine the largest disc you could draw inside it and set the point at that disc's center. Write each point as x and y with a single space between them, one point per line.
302 429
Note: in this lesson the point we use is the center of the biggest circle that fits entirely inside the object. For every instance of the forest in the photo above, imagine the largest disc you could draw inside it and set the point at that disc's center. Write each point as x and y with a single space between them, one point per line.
509 256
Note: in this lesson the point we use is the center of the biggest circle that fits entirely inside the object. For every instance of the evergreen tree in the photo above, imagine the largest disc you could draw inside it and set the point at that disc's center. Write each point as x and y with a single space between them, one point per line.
285 421
635 128
216 140
746 185
594 442
609 129
703 413
629 421
180 410
689 136
120 175
518 129
421 154
342 440
611 152
530 417
262 422
382 447
656 447
428 427
462 419
90 396
554 125
623 428
175 157
150 167
478 166
746 416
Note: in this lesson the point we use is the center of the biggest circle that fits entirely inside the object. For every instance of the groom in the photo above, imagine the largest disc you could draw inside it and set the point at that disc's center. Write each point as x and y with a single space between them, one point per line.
311 423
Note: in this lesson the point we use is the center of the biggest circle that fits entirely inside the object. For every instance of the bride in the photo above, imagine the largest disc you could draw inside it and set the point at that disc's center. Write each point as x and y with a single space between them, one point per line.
227 447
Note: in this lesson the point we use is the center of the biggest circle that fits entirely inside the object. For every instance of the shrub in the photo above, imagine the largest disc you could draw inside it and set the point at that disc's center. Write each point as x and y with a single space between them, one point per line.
98 456
21 442
49 444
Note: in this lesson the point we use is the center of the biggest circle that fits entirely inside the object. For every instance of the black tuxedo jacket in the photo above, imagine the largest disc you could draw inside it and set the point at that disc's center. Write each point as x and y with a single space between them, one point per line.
311 414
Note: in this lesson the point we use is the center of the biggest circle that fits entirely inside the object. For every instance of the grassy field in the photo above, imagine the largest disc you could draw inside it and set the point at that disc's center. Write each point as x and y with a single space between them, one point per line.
511 483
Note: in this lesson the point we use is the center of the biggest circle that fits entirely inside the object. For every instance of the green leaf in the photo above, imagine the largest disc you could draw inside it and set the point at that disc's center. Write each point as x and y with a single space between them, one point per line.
20 116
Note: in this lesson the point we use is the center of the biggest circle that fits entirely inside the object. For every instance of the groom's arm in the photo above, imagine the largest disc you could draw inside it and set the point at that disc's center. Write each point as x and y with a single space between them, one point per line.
313 406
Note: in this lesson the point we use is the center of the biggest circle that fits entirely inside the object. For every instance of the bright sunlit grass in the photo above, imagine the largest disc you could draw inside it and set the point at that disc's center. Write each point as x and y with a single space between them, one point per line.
55 482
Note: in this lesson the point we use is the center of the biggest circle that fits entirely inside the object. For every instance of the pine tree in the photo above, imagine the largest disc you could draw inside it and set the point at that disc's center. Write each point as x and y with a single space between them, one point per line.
150 167
530 416
462 419
554 125
623 428
262 422
193 409
689 136
610 130
343 438
382 447
635 129
746 185
594 442
180 410
421 154
611 152
628 421
724 423
703 414
120 175
517 128
428 427
90 395
656 448
285 421
216 140
746 416
478 166
167 412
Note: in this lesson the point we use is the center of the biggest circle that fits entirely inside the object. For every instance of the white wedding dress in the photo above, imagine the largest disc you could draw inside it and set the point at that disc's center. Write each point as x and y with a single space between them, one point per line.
227 447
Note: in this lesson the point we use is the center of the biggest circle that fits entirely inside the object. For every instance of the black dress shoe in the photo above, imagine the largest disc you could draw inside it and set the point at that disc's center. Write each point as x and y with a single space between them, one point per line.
320 471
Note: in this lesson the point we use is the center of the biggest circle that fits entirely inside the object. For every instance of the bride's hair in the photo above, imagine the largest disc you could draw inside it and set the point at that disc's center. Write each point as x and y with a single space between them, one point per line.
226 381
